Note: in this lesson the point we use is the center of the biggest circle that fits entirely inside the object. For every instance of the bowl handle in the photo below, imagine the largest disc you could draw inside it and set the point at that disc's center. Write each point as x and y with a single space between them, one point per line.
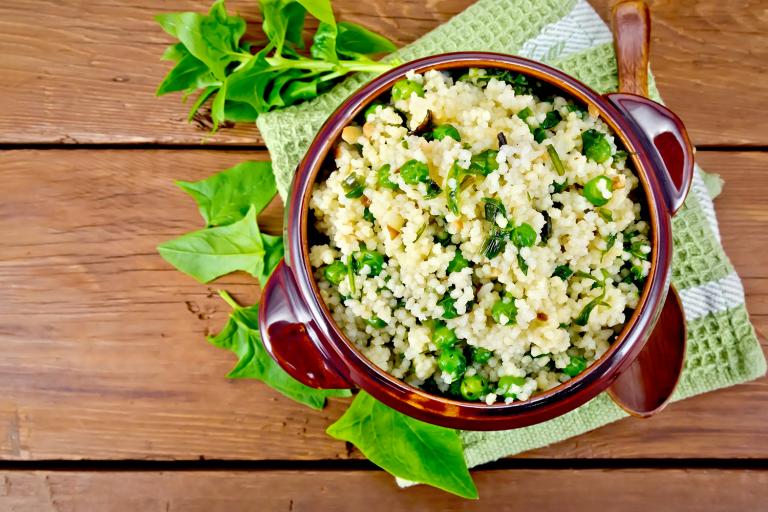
646 386
666 141
290 336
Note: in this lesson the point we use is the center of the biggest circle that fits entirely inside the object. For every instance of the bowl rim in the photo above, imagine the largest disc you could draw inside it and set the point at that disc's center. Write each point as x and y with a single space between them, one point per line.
575 391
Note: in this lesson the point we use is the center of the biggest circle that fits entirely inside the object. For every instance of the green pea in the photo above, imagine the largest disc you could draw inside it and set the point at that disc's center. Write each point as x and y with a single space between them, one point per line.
504 386
367 215
403 89
595 146
376 322
523 235
452 362
473 387
443 337
481 355
483 163
563 272
577 365
371 110
449 307
446 130
373 259
335 272
458 263
504 307
353 186
384 181
414 172
593 191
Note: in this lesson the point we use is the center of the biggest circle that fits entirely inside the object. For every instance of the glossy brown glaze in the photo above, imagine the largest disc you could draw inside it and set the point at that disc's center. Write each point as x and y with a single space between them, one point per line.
647 385
631 24
329 346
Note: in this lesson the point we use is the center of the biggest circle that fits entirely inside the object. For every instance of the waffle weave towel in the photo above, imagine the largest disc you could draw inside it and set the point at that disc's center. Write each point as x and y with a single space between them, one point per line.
569 35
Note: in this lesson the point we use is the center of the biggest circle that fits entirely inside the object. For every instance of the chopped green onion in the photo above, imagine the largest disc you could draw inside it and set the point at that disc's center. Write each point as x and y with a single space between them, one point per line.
433 190
384 180
522 264
458 263
352 186
367 215
452 184
492 208
539 134
551 120
556 162
563 272
605 214
525 113
376 322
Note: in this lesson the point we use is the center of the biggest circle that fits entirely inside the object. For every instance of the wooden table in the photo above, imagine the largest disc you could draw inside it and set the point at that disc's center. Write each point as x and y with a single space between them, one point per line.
110 398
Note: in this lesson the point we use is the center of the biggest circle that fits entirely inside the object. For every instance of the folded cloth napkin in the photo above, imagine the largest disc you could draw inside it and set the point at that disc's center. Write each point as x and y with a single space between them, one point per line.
722 347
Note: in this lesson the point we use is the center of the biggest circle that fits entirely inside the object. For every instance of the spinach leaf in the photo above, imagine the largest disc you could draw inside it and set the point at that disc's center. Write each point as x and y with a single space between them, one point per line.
226 197
213 39
213 252
273 253
241 336
189 74
244 83
406 447
356 40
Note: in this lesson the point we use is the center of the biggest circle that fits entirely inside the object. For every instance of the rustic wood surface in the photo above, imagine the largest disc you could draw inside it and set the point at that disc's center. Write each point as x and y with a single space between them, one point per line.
103 351
521 490
78 71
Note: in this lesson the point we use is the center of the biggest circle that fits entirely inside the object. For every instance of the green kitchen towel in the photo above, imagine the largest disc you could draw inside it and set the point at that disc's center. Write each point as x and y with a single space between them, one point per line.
722 347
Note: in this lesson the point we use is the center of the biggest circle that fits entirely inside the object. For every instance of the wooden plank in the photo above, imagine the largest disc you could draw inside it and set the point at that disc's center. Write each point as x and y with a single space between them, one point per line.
102 341
681 490
93 80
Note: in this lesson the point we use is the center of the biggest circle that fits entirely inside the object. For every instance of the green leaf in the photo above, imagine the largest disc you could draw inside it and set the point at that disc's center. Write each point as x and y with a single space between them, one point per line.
226 197
406 447
213 252
213 39
324 43
202 98
354 39
217 108
320 9
294 23
273 253
241 336
189 73
238 112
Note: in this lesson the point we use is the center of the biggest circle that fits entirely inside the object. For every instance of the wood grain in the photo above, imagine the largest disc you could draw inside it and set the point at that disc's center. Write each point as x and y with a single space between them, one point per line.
513 490
102 346
76 71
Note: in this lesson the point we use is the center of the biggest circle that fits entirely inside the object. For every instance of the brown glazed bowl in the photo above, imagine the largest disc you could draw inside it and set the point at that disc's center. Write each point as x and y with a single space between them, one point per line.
299 332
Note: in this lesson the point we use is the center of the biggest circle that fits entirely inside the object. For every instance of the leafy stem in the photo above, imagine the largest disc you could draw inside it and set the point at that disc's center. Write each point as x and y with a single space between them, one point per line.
229 300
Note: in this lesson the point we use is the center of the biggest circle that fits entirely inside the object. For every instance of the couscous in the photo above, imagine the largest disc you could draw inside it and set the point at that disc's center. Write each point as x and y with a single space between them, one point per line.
478 237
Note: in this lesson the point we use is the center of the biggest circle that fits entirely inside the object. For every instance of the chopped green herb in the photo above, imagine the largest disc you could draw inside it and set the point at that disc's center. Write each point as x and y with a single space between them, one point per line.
353 186
522 264
494 243
551 120
539 134
452 188
563 272
433 190
384 180
525 113
605 214
376 322
367 215
448 304
556 162
493 208
559 187
458 263
483 163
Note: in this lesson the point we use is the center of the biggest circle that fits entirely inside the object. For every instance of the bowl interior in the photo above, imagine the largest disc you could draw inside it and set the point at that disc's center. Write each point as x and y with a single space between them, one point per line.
320 162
